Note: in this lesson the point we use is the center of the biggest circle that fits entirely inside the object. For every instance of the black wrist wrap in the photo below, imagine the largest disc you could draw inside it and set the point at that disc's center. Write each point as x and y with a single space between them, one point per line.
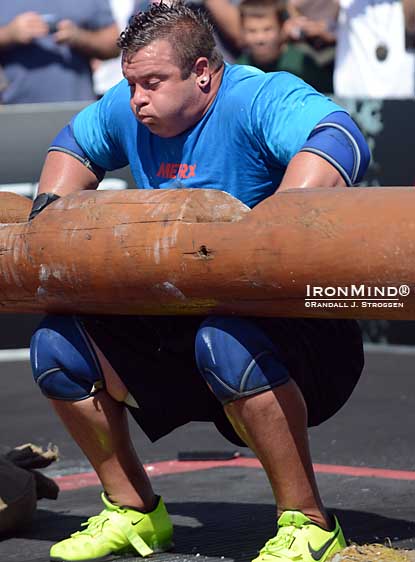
42 201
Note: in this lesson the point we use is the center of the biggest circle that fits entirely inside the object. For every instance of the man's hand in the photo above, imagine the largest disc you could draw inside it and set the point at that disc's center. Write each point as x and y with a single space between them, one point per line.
301 28
68 33
26 27
97 43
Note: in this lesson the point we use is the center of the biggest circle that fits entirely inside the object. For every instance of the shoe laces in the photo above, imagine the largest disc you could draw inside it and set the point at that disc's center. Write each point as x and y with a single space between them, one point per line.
280 546
93 526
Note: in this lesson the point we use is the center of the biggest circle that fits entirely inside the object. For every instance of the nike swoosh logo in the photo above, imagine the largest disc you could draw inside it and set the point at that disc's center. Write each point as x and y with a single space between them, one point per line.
318 554
134 523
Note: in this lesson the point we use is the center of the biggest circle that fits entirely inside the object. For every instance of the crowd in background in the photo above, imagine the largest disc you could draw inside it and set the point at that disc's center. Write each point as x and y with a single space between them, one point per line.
54 50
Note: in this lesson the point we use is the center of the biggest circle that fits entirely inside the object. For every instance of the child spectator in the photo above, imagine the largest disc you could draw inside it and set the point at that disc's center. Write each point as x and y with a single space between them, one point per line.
108 73
268 46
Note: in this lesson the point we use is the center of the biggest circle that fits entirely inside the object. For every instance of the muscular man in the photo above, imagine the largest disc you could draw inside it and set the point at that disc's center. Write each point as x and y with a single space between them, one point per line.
248 133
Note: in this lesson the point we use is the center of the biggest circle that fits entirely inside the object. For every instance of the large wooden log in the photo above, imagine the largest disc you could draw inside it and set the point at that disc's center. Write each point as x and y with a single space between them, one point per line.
202 251
14 208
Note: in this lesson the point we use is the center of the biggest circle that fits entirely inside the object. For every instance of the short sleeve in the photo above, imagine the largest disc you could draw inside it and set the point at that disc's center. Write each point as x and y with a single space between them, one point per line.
103 16
98 128
284 112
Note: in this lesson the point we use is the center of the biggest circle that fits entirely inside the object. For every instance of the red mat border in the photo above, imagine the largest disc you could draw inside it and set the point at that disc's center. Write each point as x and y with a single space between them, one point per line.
85 479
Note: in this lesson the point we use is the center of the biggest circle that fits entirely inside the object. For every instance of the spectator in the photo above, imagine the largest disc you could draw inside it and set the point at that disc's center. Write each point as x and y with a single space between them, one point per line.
372 58
108 73
322 12
312 26
46 47
223 14
266 45
261 23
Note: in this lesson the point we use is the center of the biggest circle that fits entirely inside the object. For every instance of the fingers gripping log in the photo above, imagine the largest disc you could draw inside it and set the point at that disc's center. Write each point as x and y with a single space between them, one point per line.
202 251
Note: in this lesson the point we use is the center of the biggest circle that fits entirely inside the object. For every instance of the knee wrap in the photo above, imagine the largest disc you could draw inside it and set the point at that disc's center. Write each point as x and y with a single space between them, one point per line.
63 361
237 359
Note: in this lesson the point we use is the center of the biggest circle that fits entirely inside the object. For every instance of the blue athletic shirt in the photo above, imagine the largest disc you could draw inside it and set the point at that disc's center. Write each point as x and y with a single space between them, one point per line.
242 145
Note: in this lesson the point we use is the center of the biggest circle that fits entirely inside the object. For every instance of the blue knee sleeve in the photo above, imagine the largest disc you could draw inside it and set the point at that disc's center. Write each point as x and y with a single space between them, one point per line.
237 359
63 362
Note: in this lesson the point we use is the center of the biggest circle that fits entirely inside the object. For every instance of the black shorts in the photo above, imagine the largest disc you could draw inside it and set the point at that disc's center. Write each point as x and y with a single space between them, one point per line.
154 357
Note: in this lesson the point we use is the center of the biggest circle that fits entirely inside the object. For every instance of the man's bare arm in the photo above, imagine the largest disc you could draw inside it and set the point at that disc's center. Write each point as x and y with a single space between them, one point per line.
227 19
63 174
409 13
100 43
22 30
309 170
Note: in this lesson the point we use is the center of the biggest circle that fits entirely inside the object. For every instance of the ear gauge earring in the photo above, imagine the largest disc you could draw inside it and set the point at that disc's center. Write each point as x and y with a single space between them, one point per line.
203 81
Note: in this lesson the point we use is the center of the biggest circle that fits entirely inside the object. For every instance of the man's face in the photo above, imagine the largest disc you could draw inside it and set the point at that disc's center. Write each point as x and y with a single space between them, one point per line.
261 36
160 98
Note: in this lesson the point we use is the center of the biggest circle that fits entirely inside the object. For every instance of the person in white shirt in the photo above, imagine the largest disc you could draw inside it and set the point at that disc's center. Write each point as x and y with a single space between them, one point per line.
373 60
108 73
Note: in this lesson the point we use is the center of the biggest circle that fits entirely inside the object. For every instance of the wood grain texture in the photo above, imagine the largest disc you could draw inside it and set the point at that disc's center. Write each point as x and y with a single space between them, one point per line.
14 208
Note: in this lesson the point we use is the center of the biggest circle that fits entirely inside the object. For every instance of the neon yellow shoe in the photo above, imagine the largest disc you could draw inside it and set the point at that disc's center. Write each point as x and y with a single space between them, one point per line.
117 531
299 539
